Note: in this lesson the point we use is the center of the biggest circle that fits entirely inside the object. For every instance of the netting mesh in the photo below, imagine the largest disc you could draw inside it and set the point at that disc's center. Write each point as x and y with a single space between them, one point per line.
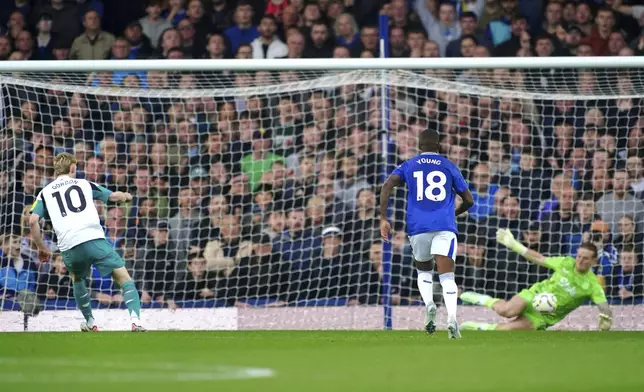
259 188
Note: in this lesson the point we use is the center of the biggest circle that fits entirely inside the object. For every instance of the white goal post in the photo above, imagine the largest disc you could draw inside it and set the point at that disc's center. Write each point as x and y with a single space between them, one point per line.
264 174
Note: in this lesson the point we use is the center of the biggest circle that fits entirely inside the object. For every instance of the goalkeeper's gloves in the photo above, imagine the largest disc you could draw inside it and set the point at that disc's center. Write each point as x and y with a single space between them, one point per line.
605 322
505 237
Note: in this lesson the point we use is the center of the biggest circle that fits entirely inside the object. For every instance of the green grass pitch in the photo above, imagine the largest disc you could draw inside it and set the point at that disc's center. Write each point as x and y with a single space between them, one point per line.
322 361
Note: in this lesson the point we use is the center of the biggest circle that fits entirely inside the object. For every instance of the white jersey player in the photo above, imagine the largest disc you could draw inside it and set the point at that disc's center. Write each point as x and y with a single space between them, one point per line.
68 203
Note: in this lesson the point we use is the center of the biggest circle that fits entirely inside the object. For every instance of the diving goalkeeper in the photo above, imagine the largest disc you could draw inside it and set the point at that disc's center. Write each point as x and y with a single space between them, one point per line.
572 282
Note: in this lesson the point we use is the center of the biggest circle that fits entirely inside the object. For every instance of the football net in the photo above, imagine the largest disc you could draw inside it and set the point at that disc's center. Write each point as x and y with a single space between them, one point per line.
258 190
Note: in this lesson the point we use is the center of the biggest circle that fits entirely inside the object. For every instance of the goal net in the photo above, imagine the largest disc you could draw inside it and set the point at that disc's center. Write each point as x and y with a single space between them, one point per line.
256 192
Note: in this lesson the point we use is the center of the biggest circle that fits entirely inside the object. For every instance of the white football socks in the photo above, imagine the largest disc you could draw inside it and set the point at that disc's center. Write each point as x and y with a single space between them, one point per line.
450 294
426 286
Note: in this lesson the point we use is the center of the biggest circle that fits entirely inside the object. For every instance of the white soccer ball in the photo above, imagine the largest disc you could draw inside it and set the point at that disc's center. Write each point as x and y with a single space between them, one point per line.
544 303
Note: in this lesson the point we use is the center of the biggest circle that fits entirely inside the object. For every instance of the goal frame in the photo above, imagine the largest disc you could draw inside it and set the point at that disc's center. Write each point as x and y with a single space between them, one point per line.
380 64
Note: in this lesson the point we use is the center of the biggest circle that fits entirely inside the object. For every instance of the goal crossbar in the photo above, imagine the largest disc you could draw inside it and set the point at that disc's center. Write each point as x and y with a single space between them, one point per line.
316 64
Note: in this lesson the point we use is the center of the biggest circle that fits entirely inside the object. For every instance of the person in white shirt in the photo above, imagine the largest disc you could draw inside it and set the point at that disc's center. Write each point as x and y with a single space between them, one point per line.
68 203
268 45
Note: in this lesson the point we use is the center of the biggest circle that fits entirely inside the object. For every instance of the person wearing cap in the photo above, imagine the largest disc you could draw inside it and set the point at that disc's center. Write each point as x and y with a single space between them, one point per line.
200 182
326 275
140 44
257 276
261 159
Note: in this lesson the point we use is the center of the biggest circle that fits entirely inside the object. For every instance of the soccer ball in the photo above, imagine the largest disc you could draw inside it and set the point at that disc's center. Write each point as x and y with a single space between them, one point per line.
544 303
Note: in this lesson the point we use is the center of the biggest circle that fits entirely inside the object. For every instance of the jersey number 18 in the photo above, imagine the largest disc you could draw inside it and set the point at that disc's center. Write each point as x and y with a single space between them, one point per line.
427 192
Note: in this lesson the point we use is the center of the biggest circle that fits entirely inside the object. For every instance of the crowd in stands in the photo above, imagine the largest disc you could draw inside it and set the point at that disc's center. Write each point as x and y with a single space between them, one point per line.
271 199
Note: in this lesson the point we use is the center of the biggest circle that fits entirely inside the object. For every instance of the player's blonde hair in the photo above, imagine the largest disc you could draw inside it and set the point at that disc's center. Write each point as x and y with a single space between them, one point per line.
63 163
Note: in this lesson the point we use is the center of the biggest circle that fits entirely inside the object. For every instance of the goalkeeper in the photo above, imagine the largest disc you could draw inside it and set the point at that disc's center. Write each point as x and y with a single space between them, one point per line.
572 283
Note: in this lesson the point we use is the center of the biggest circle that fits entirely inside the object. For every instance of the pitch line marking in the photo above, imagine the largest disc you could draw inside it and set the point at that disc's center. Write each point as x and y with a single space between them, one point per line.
120 372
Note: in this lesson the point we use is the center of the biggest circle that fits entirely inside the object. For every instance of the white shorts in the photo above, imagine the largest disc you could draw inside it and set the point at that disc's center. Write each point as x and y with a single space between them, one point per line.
442 243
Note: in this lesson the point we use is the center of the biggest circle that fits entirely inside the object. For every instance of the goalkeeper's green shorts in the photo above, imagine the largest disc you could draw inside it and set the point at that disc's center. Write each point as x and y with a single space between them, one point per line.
98 252
538 320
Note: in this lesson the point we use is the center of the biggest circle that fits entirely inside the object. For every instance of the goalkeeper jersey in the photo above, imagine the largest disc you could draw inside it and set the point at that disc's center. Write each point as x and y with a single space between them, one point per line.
571 287
69 204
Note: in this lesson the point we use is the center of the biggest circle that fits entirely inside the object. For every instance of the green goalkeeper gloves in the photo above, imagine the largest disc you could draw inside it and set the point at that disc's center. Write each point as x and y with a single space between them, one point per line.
505 237
605 322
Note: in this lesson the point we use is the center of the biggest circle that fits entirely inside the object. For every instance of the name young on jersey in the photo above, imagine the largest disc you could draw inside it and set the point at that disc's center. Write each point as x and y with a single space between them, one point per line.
429 160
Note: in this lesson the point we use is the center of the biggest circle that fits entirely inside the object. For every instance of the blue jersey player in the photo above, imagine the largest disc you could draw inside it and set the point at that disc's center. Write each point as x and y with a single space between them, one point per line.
432 185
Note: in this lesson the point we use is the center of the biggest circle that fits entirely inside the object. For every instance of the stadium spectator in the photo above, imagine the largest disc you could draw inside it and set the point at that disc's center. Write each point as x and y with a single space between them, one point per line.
500 29
468 23
174 12
319 45
627 236
186 218
268 45
346 31
296 243
223 253
159 261
94 43
17 274
44 39
140 45
260 160
367 278
54 283
626 282
257 277
22 196
362 228
440 22
507 216
470 266
482 191
611 206
599 35
152 24
65 18
188 40
600 235
198 283
243 31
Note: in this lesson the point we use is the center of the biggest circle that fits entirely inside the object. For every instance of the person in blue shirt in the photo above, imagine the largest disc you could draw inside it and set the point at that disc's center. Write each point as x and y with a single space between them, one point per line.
17 273
243 32
483 192
432 185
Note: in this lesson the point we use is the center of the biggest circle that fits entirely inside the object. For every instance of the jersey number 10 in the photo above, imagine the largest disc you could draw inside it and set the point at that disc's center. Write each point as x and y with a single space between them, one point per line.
427 192
68 200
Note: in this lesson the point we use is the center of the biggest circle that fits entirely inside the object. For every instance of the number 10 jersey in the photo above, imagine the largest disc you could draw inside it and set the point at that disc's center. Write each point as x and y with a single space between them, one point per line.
69 204
433 182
